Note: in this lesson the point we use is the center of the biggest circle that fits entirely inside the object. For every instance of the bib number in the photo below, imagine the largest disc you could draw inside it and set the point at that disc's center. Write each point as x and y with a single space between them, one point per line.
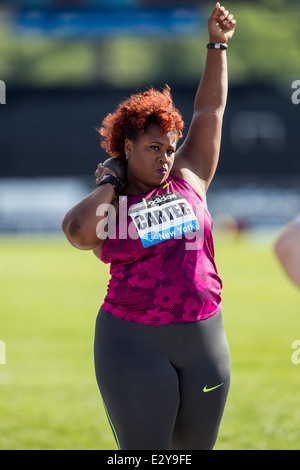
162 218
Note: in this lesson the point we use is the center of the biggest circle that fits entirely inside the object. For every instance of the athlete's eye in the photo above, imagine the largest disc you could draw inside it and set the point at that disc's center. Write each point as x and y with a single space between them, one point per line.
156 148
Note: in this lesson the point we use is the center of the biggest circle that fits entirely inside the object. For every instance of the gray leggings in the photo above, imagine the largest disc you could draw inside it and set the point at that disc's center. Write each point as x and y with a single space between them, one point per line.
163 386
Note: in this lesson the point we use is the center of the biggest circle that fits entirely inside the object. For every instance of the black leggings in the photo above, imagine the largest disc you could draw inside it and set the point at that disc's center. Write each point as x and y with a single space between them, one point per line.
163 386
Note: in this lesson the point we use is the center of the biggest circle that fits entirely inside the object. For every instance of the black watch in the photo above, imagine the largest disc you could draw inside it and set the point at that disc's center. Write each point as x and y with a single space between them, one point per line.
117 184
216 45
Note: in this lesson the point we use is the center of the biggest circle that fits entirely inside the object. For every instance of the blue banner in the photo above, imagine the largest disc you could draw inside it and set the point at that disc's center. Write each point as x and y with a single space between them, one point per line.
103 23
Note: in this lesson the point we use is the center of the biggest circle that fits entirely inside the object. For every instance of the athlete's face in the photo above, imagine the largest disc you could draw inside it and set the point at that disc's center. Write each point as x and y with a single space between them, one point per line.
150 159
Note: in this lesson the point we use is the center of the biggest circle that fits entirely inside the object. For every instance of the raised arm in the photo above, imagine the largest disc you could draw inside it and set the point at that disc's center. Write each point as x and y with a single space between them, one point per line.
198 155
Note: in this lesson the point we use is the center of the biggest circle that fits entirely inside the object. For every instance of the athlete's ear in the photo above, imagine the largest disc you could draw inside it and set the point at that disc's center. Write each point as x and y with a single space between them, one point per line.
128 147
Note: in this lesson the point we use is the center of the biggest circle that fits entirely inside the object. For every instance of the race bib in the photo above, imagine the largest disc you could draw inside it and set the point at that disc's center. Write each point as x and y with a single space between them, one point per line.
163 217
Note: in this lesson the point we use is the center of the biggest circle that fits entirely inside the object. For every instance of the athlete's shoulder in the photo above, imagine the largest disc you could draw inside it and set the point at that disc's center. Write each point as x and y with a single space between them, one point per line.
186 178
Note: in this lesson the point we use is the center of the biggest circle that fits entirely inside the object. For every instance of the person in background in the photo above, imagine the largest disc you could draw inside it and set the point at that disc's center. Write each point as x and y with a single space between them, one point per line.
287 249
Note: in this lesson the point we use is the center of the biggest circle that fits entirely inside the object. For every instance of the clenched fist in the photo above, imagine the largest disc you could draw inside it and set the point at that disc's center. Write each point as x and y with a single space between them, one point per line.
221 25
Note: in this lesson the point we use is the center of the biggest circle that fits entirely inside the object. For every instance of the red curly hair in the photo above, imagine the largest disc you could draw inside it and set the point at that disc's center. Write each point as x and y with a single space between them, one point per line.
135 114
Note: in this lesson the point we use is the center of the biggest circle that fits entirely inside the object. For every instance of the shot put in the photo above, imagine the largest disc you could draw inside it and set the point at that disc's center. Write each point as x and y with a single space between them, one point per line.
119 166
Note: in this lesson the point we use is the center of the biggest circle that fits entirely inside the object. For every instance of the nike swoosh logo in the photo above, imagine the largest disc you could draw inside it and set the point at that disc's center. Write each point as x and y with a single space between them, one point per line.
167 184
213 388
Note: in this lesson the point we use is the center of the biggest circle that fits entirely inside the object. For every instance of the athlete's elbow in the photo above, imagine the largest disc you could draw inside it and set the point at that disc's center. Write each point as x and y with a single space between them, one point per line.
71 229
75 233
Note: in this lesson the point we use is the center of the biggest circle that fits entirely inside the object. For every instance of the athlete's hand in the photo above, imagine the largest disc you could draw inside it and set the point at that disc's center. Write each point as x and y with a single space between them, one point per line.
112 166
101 171
221 25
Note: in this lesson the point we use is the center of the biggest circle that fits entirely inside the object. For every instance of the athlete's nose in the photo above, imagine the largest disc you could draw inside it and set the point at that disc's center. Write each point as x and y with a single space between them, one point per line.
163 158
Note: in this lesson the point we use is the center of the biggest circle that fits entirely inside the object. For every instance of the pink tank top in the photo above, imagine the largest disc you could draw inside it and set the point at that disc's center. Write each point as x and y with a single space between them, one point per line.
161 254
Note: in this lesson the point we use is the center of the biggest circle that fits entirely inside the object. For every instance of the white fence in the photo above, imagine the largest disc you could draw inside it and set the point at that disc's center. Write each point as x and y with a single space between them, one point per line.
39 204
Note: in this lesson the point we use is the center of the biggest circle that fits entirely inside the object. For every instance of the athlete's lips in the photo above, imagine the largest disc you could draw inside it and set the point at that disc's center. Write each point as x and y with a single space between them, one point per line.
162 170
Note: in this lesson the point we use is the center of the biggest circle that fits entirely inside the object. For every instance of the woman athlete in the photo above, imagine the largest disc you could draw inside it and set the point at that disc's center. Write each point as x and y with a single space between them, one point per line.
161 356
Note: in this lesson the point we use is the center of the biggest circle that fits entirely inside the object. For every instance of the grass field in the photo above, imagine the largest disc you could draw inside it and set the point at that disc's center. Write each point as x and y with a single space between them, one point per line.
50 295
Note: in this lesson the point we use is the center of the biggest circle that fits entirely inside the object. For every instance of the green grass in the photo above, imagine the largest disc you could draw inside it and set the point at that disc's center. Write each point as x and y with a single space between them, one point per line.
50 295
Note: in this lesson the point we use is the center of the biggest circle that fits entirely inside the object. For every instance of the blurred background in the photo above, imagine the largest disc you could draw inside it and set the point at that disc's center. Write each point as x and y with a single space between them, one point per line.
67 63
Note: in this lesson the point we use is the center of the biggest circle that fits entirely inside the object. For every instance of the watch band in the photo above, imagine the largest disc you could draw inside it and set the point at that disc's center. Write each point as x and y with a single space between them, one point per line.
115 182
216 45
